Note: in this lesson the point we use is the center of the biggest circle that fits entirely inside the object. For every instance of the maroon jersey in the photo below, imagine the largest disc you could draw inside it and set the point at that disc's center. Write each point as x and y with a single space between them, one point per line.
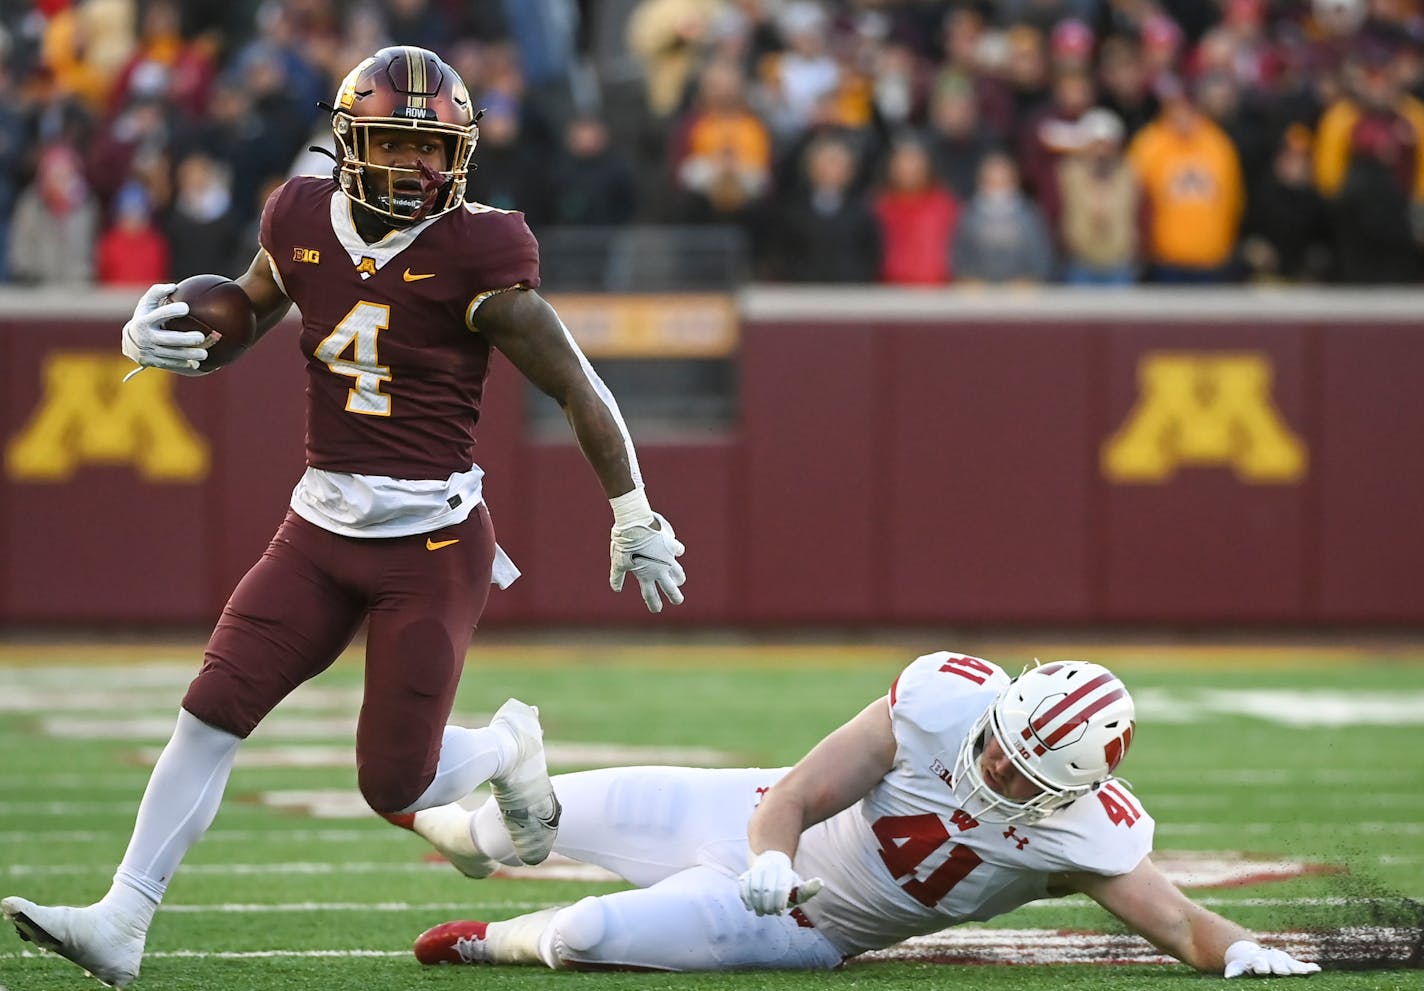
395 371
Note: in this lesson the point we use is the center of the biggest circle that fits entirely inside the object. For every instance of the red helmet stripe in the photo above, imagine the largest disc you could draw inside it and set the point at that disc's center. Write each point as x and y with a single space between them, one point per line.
1084 715
1072 698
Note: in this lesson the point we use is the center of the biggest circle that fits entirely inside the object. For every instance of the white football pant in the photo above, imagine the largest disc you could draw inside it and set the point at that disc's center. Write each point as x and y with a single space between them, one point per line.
680 834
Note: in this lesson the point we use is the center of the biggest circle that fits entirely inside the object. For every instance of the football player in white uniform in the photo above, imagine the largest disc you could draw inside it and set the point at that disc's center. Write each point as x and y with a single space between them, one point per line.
959 796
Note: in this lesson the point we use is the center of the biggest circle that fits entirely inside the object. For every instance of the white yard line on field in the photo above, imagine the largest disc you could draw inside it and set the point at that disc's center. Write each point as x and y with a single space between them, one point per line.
556 868
212 836
974 945
1039 946
1158 799
1246 776
1293 826
233 954
474 905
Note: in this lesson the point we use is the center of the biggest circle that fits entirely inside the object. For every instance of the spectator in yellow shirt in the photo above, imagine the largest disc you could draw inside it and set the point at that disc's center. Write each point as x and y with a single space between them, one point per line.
1191 178
1375 96
721 153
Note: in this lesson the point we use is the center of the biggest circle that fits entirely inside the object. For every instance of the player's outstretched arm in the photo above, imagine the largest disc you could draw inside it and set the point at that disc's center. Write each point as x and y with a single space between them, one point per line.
1148 902
525 327
833 776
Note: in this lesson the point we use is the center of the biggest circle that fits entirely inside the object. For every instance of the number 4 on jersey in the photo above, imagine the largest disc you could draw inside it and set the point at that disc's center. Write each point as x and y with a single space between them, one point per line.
357 333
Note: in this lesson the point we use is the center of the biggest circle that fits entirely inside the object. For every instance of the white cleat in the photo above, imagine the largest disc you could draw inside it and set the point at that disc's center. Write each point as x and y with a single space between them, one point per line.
525 795
105 947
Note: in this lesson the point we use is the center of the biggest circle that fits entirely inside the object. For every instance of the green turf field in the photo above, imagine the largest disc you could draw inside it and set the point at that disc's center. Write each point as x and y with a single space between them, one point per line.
1272 757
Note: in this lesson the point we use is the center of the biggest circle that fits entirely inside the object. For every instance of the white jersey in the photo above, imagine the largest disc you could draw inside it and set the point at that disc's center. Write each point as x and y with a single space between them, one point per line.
905 860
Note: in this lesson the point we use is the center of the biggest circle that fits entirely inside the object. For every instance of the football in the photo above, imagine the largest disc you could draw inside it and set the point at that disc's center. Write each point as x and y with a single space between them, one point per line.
218 307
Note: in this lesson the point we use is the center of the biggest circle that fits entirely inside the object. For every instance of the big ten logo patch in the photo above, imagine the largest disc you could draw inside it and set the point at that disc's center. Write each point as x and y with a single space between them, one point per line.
1200 409
87 415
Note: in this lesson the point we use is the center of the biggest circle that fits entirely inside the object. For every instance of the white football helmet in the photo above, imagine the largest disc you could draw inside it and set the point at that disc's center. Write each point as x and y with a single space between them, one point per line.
1064 725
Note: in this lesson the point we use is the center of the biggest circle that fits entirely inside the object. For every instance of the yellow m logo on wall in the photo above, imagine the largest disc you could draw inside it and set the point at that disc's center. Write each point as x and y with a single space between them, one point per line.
1204 409
87 416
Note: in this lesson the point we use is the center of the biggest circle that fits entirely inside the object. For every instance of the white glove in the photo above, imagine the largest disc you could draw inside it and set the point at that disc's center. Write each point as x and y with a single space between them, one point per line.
770 885
1246 957
149 344
649 555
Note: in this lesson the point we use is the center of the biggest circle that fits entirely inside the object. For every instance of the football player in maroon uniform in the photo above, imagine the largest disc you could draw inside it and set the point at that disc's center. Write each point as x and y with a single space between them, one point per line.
403 289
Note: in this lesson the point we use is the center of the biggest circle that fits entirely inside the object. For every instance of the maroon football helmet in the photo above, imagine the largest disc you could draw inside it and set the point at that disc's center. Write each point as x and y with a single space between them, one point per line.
403 87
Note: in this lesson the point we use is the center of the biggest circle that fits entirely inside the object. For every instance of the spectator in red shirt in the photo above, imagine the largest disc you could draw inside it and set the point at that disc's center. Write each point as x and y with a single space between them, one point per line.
132 251
917 215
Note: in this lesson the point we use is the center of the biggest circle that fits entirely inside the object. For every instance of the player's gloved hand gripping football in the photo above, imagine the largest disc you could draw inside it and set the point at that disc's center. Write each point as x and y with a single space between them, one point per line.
771 885
150 345
643 544
1254 960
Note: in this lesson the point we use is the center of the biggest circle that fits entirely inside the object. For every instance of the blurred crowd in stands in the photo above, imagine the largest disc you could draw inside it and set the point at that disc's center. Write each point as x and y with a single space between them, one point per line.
911 142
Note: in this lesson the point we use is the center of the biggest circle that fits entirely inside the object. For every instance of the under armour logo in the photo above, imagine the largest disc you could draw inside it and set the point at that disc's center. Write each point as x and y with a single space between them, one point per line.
1010 834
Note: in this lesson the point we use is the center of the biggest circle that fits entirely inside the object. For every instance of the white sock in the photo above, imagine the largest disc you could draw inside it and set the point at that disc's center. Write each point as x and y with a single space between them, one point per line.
178 806
490 834
468 758
124 901
520 939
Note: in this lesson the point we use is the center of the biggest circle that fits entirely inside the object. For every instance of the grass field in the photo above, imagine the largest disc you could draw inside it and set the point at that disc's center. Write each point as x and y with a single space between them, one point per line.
1307 762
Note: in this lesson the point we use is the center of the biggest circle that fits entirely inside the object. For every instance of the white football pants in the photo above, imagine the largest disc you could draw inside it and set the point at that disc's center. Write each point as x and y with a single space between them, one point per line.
680 834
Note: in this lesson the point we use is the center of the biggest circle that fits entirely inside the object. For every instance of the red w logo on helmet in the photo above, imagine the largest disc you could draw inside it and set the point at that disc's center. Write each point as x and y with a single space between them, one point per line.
1114 751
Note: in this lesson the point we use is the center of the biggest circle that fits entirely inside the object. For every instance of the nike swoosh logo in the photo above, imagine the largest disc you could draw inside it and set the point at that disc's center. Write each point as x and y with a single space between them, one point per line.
411 277
435 545
522 816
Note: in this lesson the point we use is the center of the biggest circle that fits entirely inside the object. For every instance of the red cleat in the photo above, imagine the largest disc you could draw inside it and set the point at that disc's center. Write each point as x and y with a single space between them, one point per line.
405 820
453 942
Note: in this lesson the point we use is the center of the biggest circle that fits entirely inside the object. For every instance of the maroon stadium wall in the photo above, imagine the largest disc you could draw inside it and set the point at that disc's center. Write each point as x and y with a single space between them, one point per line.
1177 459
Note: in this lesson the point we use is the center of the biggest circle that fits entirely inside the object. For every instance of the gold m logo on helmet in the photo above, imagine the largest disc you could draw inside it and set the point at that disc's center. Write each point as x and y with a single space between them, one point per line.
1204 409
86 416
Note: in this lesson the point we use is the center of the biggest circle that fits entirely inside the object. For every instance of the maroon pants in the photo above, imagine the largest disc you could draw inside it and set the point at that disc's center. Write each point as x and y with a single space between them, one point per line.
301 604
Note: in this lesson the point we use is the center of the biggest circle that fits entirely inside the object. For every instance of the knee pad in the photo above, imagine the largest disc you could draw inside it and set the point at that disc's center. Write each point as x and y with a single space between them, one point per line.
579 928
390 787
